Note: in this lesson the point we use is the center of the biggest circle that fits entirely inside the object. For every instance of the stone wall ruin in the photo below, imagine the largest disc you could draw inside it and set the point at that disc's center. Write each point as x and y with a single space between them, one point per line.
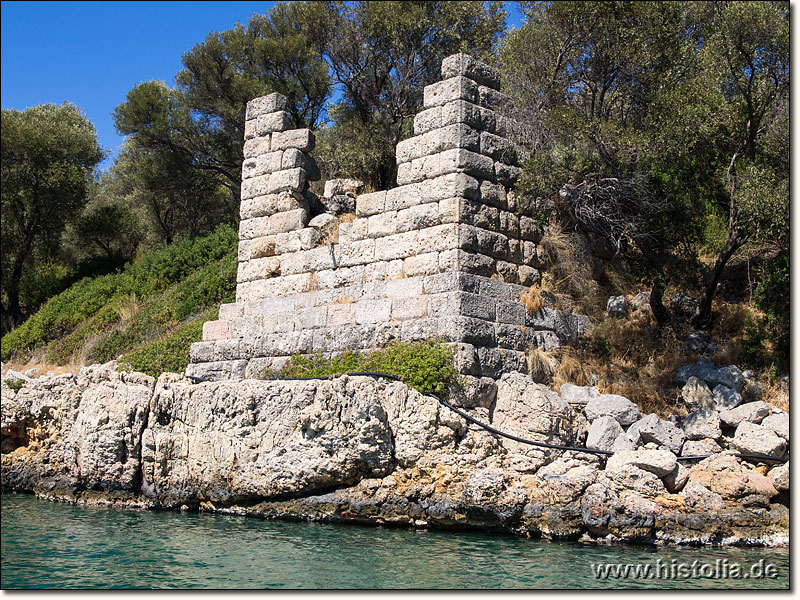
443 255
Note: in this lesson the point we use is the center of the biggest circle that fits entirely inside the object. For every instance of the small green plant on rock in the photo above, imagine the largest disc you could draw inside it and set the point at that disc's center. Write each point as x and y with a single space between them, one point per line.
425 366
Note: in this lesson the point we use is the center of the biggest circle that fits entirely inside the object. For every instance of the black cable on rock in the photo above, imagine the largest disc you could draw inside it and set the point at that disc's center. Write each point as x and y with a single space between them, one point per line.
489 428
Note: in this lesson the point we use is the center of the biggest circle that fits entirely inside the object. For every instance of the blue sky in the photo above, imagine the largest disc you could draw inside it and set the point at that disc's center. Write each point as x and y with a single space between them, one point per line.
93 53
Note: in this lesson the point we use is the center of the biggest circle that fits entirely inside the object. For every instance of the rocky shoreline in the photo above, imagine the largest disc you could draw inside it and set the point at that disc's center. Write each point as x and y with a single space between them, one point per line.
370 451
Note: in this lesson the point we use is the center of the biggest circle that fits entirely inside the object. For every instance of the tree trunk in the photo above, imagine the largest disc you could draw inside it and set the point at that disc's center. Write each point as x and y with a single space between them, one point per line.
660 312
704 318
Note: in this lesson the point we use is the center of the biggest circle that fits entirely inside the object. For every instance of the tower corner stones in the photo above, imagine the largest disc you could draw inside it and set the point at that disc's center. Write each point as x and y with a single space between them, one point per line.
443 255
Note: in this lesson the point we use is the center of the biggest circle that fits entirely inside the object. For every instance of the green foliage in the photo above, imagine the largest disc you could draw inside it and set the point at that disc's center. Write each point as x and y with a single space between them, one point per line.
767 338
49 154
167 354
194 273
381 55
424 366
15 384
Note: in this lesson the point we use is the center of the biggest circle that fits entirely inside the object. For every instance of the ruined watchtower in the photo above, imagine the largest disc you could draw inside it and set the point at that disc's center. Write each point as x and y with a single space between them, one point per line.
443 255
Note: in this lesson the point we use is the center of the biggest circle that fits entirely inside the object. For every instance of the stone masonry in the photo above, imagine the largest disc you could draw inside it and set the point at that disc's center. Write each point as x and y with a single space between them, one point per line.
443 255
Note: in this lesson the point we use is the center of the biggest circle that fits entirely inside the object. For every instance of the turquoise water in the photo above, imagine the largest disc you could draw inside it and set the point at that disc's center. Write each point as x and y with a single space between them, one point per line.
52 545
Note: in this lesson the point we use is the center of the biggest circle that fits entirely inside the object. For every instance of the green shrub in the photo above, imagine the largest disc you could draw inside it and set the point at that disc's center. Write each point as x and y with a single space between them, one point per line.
766 339
425 366
87 308
15 384
169 353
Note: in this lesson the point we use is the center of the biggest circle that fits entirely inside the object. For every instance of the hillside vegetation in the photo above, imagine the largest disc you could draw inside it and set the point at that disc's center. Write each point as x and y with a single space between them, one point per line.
149 312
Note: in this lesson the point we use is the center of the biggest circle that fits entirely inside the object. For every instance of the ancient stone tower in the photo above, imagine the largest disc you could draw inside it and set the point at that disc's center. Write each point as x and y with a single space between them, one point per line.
443 255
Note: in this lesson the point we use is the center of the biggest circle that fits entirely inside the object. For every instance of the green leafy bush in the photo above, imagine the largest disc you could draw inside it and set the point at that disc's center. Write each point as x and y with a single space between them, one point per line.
170 353
425 366
766 339
91 307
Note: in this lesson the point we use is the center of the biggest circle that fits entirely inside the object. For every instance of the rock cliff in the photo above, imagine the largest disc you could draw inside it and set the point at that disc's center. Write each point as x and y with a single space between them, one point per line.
358 449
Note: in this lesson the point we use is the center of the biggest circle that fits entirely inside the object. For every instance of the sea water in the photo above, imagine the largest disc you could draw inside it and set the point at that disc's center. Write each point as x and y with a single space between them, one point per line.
55 545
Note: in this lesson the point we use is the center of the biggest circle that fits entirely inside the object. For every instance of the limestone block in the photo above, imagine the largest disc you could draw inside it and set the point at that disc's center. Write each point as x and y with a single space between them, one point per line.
500 290
619 407
336 187
357 252
215 330
456 160
258 268
457 135
756 439
416 330
497 147
265 104
262 164
287 221
261 247
255 186
465 304
250 127
507 271
286 180
419 216
438 238
294 158
294 241
301 139
490 98
510 312
407 287
254 228
404 309
701 424
476 264
263 206
370 204
310 318
273 122
467 330
449 260
200 352
231 310
529 230
493 194
421 264
341 314
271 306
448 90
506 174
373 311
396 246
383 224
754 412
257 146
465 65
528 276
446 187
459 111
478 214
449 210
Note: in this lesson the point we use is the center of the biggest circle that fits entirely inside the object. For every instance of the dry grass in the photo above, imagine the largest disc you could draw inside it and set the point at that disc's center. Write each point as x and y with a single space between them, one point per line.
128 307
568 271
532 299
541 364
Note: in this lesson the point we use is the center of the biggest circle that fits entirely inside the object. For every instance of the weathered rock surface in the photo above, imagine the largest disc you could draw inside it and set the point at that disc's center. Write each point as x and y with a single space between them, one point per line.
705 370
659 431
603 432
697 395
702 423
756 439
753 412
612 405
356 449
